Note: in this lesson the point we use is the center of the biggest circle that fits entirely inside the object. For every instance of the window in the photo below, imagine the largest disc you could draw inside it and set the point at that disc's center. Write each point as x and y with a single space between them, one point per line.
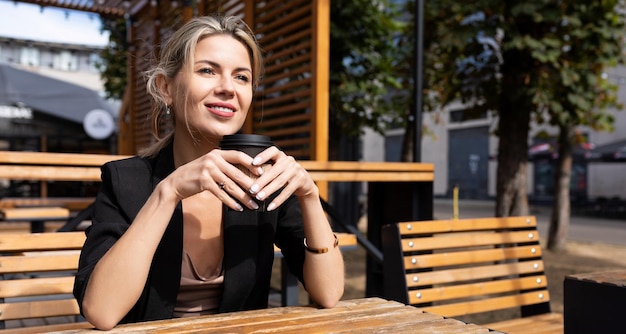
66 61
94 60
29 56
462 115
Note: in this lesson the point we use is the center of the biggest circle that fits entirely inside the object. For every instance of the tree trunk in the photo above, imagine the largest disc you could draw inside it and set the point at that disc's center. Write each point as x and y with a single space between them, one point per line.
559 222
515 107
408 141
512 193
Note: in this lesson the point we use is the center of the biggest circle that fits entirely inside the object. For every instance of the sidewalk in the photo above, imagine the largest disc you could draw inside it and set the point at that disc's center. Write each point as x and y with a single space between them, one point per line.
582 228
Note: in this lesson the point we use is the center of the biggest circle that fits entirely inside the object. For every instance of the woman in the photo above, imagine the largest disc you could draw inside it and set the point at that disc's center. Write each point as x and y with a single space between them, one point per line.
160 245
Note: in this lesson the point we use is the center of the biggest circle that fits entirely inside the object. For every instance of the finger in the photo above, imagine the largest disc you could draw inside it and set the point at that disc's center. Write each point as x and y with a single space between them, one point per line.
234 195
267 156
286 173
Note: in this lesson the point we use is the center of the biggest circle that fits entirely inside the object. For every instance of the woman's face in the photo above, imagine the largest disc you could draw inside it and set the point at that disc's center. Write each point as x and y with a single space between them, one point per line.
219 86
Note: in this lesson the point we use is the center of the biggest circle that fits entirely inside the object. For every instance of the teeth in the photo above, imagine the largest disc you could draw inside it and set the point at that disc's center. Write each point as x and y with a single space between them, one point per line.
223 109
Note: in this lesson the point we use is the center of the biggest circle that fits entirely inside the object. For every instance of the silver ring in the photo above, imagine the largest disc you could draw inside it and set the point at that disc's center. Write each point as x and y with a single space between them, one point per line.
222 184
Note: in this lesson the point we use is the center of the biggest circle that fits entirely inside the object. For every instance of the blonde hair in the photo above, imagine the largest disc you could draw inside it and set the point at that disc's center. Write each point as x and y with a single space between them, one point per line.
179 50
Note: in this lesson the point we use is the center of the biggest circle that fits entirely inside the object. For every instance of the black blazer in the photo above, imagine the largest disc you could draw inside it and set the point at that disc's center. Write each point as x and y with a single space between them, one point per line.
248 241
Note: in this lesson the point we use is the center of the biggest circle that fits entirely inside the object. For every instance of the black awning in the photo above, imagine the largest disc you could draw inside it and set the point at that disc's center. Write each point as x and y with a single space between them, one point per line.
48 95
549 151
611 152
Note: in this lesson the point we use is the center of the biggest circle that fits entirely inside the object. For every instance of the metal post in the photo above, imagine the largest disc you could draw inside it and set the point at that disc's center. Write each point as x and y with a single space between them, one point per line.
417 75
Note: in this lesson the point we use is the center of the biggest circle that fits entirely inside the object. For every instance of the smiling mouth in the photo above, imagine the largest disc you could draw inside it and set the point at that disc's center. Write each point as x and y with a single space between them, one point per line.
222 109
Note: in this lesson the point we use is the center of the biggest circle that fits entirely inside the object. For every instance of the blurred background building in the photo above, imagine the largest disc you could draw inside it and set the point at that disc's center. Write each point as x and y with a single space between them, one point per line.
52 98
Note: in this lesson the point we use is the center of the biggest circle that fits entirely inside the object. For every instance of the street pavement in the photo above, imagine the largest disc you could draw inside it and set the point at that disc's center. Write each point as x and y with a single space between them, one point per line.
582 228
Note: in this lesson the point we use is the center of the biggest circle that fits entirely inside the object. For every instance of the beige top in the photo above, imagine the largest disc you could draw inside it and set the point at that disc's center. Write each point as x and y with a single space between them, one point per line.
198 295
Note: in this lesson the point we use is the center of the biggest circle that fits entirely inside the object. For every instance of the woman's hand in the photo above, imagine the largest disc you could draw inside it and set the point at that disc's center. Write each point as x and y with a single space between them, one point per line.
217 173
285 173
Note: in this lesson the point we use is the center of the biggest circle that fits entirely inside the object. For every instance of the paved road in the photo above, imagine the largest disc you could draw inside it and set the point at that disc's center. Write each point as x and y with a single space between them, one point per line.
587 229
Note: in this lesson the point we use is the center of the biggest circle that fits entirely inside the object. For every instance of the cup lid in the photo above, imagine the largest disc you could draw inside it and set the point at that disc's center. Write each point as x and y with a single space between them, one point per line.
241 139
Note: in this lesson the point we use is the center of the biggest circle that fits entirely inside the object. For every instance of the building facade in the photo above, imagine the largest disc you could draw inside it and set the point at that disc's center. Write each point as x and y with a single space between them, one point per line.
46 90
464 154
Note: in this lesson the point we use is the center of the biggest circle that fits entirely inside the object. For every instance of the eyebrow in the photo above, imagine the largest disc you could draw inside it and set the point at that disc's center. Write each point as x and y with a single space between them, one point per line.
214 64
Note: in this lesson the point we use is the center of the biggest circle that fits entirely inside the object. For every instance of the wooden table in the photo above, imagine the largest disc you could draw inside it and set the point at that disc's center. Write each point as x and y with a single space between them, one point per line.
594 302
368 315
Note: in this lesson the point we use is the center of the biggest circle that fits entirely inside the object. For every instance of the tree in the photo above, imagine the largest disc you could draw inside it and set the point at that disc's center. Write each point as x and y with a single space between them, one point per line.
539 75
363 68
587 39
113 66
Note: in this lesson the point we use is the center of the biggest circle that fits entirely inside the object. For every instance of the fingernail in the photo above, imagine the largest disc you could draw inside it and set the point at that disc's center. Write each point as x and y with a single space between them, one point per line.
271 207
238 207
256 161
260 196
260 170
253 205
254 188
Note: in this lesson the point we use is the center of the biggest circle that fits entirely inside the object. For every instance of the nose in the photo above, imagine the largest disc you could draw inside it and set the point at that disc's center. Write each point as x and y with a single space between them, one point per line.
225 86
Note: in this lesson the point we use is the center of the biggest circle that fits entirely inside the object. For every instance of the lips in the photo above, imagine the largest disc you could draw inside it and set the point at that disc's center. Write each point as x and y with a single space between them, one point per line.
220 110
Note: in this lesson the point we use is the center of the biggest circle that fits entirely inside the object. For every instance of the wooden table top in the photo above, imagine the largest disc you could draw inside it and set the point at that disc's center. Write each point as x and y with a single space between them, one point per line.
610 277
352 316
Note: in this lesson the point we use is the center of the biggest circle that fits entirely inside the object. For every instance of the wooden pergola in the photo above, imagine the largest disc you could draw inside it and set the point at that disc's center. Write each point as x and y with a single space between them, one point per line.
291 105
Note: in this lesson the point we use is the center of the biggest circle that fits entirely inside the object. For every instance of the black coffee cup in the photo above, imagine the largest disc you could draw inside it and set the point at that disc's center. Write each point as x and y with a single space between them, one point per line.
247 143
251 145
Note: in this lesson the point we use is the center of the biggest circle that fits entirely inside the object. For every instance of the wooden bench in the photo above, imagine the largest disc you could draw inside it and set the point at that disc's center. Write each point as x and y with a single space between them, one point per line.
49 167
80 167
37 277
37 271
470 266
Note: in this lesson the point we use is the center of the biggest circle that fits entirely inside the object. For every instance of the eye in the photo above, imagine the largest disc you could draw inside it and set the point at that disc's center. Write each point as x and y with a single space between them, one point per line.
242 78
206 70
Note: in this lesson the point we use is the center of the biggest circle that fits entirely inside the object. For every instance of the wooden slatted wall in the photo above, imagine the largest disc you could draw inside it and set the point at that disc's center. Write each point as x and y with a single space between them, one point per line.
285 107
288 106
150 26
291 105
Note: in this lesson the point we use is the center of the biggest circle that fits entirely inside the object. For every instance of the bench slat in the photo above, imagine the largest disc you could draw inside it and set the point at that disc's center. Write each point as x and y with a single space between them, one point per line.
370 176
490 304
468 290
54 158
468 240
366 166
471 257
48 213
472 273
36 286
39 309
42 241
50 173
39 262
542 323
470 224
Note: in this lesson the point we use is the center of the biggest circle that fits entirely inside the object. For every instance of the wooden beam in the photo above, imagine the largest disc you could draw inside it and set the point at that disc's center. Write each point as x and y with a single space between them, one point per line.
320 69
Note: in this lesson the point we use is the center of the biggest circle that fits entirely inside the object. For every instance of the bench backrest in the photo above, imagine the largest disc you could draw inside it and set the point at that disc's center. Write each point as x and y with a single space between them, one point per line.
37 274
47 166
42 166
466 266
